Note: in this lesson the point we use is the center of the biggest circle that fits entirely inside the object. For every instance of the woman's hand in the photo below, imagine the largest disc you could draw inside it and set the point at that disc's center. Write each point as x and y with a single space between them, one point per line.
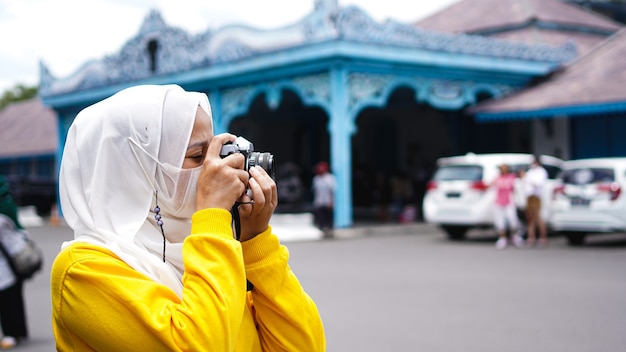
255 218
222 181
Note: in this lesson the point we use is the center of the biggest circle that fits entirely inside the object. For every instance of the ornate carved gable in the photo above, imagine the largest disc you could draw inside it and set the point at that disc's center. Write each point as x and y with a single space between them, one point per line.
159 49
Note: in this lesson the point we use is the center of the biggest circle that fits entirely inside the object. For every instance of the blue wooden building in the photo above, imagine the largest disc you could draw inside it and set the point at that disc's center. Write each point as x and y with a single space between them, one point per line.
371 98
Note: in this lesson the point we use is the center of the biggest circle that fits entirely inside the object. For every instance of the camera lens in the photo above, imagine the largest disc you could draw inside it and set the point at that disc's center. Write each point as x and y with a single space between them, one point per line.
264 160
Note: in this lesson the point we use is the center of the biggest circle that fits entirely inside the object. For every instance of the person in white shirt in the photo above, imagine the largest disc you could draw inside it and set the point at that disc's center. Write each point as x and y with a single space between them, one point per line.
534 180
323 198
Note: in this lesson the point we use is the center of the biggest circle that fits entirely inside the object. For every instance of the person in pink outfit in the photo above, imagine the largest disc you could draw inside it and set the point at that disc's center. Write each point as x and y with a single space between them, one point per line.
504 211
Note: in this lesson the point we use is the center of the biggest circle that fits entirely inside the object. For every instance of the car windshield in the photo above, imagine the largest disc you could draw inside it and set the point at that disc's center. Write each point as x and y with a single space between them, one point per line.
459 172
588 175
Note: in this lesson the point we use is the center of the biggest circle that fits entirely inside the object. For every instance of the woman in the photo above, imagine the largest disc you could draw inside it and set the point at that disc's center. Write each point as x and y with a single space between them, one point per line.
12 310
504 211
154 265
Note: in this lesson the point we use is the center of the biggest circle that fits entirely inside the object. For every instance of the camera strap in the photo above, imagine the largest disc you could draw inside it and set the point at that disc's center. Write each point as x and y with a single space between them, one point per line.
237 222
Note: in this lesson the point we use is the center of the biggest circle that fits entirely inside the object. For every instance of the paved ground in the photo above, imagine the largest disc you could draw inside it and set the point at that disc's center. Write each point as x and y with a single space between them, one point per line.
50 238
421 292
407 288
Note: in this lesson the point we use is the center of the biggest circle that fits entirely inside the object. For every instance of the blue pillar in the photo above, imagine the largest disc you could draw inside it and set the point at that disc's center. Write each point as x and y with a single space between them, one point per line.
215 99
341 128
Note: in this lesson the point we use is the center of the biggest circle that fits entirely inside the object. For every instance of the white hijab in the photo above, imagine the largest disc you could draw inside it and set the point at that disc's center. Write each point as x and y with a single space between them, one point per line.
118 154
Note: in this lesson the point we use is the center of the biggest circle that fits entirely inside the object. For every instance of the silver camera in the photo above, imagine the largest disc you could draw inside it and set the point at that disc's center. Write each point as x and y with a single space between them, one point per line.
245 147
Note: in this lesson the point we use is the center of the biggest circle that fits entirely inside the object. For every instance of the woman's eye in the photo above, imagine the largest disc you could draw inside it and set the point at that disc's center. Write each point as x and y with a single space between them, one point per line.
199 157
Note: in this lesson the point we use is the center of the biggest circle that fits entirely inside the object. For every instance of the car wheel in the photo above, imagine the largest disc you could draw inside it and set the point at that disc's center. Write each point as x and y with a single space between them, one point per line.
455 233
575 238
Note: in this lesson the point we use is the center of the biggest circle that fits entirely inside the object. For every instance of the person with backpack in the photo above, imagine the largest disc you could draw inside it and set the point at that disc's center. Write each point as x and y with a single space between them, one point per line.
12 307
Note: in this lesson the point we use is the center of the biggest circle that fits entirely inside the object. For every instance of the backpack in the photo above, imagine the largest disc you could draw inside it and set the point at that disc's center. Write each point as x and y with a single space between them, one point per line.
23 254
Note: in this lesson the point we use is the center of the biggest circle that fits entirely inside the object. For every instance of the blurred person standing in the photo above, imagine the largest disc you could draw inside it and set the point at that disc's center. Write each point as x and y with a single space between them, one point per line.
12 310
402 196
381 195
534 180
324 185
504 211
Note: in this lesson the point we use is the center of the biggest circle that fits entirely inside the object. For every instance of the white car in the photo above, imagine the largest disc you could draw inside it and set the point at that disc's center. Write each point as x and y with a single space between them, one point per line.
458 197
588 198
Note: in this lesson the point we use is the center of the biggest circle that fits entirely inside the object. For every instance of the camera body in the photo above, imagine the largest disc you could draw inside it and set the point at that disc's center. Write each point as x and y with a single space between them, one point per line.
245 147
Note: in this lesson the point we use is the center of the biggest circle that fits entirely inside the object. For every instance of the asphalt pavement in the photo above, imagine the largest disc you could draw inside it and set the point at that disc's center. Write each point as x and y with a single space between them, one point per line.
50 239
415 290
405 287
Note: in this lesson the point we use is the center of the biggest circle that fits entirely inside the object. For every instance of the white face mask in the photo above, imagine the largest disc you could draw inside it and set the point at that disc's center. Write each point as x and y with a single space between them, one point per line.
182 202
176 186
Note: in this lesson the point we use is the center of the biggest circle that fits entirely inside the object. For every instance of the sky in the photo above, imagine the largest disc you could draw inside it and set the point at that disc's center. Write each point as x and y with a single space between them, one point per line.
64 34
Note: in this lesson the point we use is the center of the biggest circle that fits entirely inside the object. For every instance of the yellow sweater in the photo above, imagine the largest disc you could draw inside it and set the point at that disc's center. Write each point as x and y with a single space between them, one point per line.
99 303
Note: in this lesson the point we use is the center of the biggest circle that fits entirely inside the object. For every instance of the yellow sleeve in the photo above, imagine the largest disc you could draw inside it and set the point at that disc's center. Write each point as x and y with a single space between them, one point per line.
287 318
100 303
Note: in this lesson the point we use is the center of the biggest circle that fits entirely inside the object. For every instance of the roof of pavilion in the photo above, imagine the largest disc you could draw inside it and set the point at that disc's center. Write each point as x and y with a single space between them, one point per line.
592 84
529 21
183 52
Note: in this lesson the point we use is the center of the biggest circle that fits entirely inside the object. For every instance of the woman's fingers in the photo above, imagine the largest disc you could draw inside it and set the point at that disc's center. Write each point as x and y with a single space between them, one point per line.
255 217
222 180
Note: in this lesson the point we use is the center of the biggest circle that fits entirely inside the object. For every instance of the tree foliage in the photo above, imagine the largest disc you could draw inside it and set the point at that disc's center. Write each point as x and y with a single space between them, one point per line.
18 93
